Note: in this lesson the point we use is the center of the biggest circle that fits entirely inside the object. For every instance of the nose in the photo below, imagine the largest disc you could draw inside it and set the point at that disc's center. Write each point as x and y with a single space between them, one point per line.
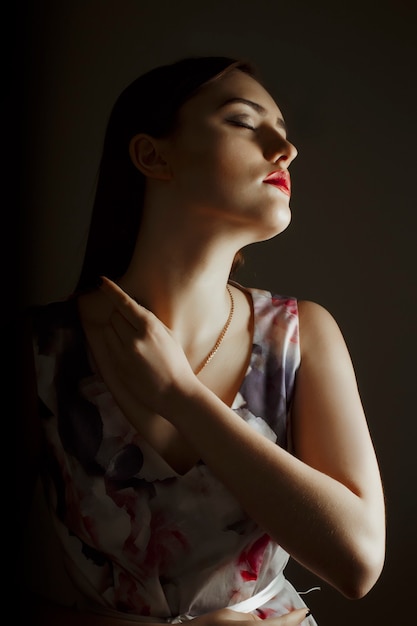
280 150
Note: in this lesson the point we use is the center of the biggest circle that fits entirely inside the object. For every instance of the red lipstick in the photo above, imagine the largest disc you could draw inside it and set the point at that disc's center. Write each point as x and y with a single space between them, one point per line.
280 179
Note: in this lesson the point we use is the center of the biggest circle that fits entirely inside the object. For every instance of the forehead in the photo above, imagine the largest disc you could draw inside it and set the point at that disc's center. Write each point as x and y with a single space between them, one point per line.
233 84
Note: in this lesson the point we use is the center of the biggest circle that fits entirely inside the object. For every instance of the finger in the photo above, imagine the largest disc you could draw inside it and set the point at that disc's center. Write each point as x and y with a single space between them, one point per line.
293 618
111 335
114 345
127 306
123 328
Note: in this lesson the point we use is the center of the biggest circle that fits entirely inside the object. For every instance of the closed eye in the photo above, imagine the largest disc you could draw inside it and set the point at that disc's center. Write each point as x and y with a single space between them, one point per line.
242 121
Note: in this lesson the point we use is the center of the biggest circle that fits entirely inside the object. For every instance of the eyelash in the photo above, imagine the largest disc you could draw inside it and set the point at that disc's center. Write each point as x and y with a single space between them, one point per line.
241 124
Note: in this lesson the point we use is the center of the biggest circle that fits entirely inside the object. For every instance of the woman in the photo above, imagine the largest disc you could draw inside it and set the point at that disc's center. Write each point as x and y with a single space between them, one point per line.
198 432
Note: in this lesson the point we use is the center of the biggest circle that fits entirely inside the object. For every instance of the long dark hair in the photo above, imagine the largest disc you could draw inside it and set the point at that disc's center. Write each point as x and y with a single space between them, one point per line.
149 104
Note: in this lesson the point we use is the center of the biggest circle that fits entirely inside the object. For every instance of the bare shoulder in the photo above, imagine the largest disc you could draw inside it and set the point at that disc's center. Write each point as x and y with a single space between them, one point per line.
312 314
317 324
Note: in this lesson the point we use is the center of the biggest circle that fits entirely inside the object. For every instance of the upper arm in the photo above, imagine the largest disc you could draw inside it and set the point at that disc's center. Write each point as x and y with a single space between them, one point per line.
329 428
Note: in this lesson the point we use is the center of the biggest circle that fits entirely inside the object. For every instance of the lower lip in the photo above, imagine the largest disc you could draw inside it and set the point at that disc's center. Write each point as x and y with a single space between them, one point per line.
280 187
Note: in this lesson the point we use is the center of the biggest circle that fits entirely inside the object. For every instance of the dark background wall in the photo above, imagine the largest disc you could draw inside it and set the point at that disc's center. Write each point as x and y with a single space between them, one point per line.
344 76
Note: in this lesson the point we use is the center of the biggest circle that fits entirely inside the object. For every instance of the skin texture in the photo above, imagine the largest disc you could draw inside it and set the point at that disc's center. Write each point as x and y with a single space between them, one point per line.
205 200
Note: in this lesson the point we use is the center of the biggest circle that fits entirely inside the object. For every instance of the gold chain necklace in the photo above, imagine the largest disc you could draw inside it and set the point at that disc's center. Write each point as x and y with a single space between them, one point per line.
221 336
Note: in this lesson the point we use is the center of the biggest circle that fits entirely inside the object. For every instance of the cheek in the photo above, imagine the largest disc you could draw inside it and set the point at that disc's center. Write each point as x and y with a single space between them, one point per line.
216 170
228 166
237 173
208 169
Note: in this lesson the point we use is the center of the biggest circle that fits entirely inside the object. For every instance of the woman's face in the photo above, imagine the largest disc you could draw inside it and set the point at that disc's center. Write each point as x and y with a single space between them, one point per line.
230 138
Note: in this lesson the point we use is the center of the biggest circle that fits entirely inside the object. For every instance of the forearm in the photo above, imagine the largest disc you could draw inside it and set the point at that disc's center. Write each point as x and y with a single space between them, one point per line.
318 520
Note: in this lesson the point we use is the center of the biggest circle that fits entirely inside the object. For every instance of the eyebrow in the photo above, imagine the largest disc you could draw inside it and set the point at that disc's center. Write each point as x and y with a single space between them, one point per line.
257 107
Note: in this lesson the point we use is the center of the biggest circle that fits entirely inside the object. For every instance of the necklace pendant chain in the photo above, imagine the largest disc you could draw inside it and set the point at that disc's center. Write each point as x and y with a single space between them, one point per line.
221 336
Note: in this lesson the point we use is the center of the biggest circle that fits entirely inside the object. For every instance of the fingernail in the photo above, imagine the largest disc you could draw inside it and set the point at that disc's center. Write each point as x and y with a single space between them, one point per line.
308 613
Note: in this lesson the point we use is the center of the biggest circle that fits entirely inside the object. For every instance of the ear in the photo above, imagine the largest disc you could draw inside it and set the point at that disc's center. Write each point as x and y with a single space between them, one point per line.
146 154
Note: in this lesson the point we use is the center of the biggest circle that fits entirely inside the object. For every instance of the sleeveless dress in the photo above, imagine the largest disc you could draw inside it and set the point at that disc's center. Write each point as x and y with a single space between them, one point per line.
139 540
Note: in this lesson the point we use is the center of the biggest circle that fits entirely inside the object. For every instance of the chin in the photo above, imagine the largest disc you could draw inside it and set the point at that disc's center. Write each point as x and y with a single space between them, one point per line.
268 234
277 223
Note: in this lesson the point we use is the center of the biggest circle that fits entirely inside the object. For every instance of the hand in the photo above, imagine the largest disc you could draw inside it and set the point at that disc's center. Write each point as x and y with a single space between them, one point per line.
224 617
140 361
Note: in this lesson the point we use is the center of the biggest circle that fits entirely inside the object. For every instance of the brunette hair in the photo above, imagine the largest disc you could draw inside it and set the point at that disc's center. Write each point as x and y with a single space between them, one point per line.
150 104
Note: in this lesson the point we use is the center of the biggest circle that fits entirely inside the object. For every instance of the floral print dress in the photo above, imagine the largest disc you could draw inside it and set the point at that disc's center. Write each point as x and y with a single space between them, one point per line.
139 539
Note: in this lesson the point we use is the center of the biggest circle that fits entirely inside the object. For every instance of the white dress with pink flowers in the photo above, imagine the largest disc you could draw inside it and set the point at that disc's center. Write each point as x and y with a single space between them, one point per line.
140 540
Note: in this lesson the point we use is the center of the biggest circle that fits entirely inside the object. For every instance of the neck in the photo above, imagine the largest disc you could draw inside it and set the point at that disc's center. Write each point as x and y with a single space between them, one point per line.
180 270
184 286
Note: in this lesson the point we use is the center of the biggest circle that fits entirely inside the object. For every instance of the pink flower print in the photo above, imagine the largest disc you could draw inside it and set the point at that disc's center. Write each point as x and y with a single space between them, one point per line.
250 560
290 304
166 544
265 613
127 595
